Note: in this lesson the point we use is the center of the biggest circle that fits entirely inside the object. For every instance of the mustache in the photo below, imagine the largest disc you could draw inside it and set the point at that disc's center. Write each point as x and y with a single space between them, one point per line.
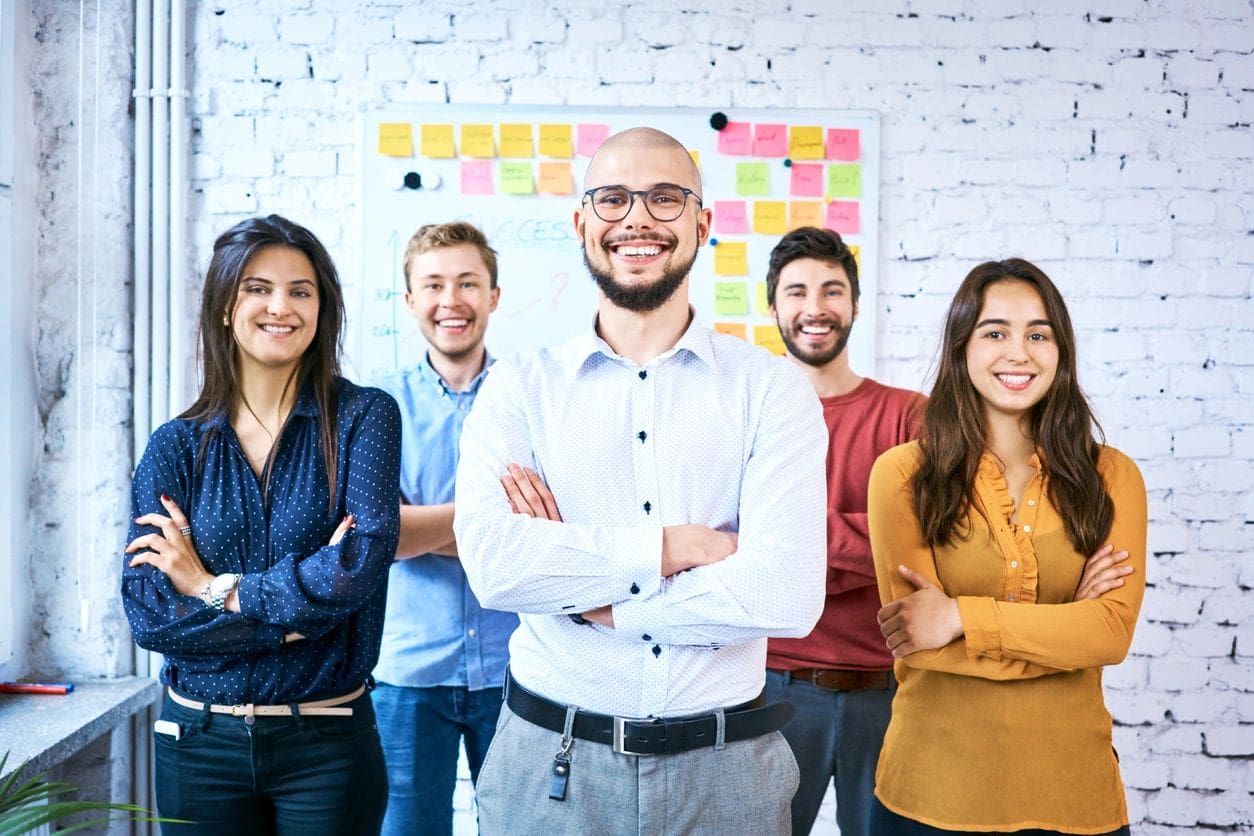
642 236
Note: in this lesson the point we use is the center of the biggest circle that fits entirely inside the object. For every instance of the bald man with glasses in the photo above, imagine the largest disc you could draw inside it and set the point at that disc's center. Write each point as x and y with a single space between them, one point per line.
649 498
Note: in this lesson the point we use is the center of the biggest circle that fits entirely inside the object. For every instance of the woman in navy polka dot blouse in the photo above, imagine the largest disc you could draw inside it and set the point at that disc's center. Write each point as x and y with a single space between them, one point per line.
265 521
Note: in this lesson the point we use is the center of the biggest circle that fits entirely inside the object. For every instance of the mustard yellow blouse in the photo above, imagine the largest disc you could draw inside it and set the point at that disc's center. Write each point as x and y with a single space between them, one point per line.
1005 728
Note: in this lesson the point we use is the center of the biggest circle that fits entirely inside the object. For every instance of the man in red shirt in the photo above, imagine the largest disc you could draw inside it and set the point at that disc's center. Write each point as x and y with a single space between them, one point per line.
840 676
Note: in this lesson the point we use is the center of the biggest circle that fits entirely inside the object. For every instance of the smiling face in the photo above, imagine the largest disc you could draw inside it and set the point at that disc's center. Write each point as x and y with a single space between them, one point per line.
275 315
450 298
639 262
814 310
1012 354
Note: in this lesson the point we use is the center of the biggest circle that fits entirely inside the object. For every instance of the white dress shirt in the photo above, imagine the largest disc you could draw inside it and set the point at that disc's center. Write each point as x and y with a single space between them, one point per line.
714 432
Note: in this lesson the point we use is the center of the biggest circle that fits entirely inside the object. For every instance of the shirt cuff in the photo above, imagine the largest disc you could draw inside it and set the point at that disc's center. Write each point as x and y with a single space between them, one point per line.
635 563
248 593
980 627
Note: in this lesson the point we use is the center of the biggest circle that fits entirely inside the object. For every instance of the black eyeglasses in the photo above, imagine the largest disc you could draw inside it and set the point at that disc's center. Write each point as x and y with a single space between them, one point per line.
664 202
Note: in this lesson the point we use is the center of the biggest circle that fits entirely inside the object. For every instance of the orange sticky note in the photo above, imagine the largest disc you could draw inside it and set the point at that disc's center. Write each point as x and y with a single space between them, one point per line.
555 141
731 258
396 139
736 329
805 213
769 217
477 141
805 142
555 179
437 141
768 337
516 141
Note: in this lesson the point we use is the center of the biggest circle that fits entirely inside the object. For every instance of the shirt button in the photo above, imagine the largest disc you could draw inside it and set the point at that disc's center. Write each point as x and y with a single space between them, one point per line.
1031 502
1010 597
1014 564
635 589
648 506
1027 528
647 637
471 632
657 650
643 374
642 435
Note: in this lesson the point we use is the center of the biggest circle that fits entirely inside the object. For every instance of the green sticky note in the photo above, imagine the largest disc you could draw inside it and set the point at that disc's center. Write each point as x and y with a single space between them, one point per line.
517 178
759 300
844 180
731 299
753 179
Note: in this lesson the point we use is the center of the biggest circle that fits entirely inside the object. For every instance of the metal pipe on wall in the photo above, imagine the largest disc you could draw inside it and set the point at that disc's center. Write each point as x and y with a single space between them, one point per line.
160 320
178 210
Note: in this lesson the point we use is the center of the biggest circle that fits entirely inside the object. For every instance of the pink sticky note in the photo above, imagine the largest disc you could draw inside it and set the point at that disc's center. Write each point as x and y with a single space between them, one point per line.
807 179
734 139
477 177
844 144
844 216
730 217
770 141
588 138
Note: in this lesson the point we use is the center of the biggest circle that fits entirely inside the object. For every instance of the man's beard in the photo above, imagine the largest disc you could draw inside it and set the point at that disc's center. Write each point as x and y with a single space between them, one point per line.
640 298
819 358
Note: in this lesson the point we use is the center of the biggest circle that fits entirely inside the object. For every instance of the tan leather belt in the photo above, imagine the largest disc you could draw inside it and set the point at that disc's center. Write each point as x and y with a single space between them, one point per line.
317 708
843 680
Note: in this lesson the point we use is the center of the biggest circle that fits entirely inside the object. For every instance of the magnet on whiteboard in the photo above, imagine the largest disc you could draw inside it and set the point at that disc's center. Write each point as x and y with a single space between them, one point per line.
416 181
718 121
413 180
713 242
787 162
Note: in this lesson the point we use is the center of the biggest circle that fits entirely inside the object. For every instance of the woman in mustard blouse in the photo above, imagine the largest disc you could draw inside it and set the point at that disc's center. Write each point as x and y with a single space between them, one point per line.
999 624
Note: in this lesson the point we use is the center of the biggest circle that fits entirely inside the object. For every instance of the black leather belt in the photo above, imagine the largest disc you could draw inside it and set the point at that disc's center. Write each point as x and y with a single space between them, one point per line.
651 737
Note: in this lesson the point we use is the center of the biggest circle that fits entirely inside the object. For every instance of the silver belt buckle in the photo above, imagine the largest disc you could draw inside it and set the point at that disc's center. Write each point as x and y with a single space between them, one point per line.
620 730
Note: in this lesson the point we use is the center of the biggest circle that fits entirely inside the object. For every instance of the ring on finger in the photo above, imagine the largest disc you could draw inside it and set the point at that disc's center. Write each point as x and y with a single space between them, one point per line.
185 530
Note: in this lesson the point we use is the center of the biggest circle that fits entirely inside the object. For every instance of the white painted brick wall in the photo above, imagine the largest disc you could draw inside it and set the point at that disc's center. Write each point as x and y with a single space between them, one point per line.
1118 153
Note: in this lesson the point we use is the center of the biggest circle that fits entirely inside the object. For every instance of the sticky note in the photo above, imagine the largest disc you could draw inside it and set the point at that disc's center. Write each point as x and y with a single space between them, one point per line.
396 139
516 141
760 304
805 213
736 329
696 157
843 216
857 256
769 217
731 299
477 177
731 258
477 141
588 138
753 179
844 180
805 142
770 140
844 144
555 141
516 178
555 179
734 139
730 217
807 180
437 141
768 337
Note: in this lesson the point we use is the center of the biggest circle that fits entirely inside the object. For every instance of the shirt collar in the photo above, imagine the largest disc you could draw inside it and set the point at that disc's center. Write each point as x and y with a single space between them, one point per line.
306 406
695 340
431 377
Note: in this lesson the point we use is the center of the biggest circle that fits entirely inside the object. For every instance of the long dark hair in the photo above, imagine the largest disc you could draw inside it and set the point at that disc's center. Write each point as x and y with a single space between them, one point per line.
319 365
1062 424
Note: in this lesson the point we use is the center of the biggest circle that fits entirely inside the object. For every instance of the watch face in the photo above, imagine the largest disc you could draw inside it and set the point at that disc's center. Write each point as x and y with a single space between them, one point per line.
222 584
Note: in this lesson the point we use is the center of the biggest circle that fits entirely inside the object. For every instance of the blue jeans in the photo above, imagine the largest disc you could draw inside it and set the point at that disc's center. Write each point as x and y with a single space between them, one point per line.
421 728
835 735
888 823
291 776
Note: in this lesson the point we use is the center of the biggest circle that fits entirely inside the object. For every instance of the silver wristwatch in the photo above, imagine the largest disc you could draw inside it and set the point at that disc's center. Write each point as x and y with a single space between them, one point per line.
215 592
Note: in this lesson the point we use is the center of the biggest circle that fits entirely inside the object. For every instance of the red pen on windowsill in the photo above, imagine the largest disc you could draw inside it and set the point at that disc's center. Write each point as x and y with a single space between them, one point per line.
36 687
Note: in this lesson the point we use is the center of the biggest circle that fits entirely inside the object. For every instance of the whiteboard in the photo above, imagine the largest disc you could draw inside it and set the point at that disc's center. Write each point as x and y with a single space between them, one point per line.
547 295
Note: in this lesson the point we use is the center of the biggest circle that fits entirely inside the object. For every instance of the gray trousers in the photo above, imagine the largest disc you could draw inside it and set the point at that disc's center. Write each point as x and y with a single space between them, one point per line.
744 788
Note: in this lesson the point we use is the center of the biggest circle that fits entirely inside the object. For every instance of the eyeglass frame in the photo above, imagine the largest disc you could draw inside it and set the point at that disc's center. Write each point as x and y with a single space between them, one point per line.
632 194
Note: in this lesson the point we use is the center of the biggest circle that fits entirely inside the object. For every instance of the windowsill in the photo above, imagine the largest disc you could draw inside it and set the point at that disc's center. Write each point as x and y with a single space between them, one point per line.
46 730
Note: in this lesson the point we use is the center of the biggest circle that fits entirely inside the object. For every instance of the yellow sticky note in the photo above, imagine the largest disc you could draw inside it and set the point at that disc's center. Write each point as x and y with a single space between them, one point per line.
731 299
437 141
736 329
516 141
768 217
753 179
477 141
555 141
396 139
805 142
768 337
731 258
805 213
696 157
555 179
516 178
857 256
759 300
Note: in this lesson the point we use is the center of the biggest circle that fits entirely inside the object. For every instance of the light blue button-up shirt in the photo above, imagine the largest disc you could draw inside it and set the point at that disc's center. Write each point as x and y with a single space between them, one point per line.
435 632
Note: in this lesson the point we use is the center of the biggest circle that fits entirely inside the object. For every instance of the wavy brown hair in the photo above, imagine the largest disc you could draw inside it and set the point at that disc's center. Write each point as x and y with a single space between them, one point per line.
1062 424
320 364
